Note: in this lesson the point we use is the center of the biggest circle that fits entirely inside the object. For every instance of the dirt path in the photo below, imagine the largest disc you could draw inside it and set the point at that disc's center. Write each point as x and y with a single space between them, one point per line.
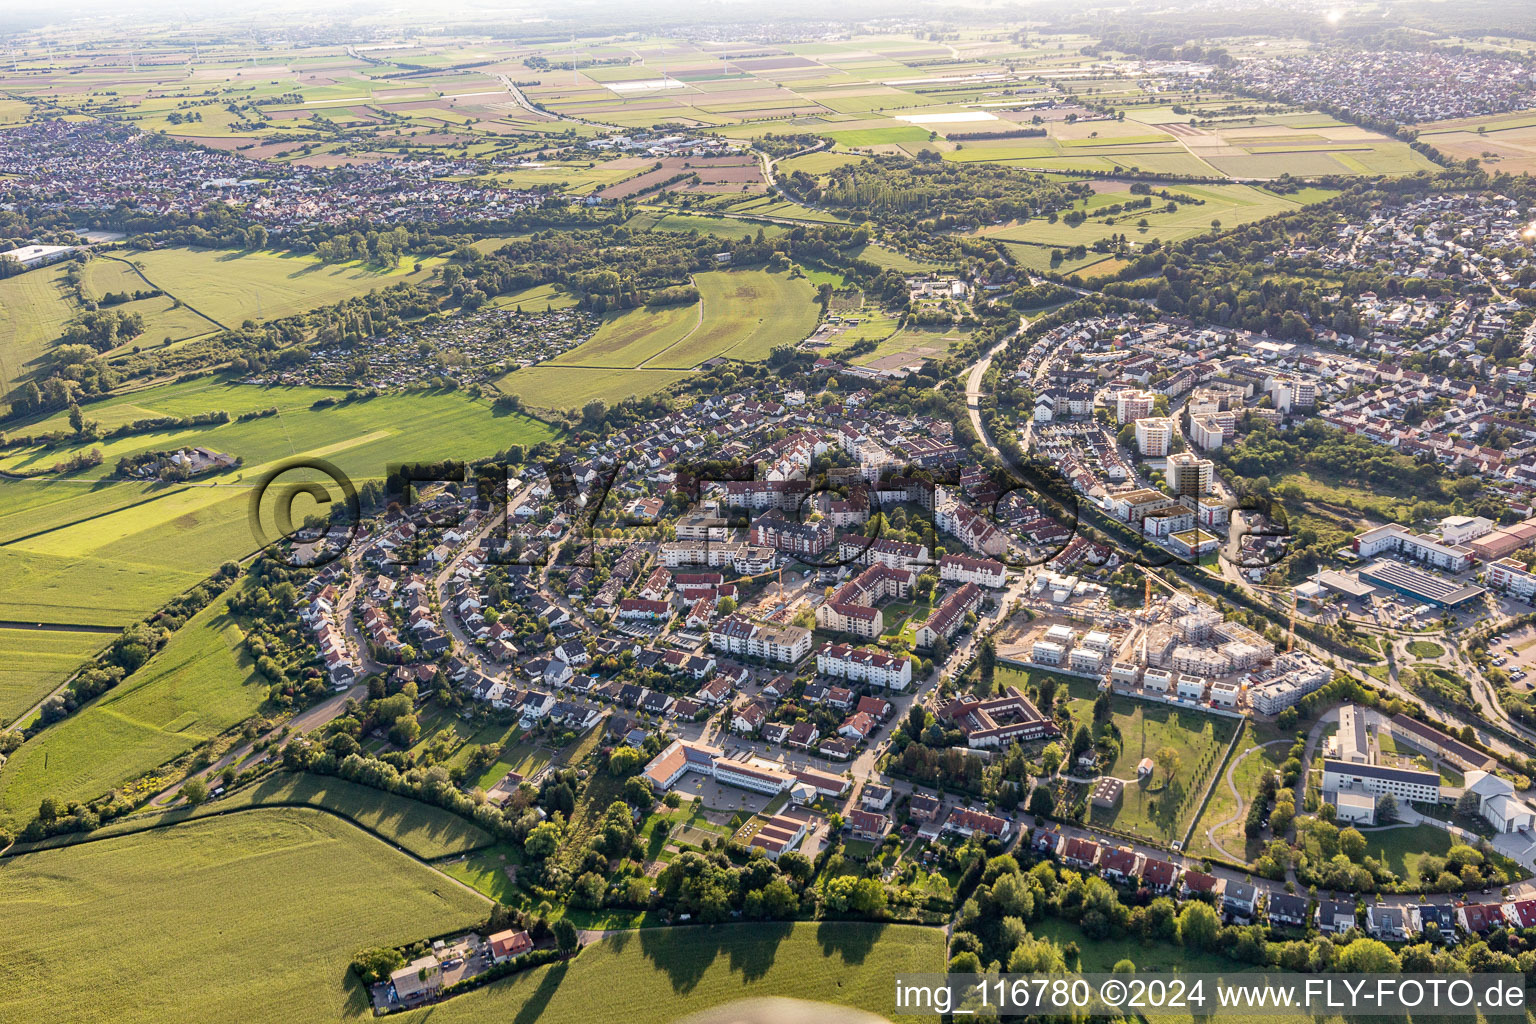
1210 833
698 323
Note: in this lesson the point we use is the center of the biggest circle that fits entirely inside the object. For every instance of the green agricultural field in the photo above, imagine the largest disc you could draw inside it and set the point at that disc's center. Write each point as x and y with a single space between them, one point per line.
163 318
892 136
232 286
569 387
426 831
1232 205
651 219
34 309
252 917
117 566
746 314
537 299
33 662
669 973
742 314
198 685
630 337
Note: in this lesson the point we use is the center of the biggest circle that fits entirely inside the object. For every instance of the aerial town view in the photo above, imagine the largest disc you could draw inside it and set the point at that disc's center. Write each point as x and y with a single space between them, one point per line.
619 514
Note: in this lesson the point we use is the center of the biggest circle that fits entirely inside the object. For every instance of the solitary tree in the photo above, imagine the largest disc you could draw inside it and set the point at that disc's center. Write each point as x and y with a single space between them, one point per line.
566 939
1168 762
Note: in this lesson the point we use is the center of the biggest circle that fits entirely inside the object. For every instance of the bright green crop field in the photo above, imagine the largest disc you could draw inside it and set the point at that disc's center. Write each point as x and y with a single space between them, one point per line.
424 830
95 551
252 917
199 684
656 975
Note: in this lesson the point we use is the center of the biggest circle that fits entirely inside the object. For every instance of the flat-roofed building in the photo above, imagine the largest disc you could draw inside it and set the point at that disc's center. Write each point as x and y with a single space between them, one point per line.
1376 780
1154 436
1352 743
1420 547
1511 577
1419 585
35 255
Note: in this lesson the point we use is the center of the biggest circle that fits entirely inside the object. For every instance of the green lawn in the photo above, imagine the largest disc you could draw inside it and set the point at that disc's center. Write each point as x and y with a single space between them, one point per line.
1150 809
198 685
656 975
1250 767
1425 649
1100 955
252 917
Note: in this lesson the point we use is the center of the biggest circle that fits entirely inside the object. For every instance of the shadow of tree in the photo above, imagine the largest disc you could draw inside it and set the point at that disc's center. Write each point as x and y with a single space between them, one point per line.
850 940
533 1007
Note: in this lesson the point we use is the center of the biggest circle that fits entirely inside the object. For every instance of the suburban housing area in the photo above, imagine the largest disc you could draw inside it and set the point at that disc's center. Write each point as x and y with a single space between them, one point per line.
632 515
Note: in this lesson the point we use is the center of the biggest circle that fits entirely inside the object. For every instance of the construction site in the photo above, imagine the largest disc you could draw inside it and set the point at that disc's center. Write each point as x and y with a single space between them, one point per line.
1175 650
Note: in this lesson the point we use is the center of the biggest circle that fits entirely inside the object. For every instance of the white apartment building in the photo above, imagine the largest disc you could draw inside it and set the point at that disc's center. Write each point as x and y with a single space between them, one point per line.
1424 548
1132 405
1375 779
1084 660
865 665
1043 652
984 572
1154 436
1511 577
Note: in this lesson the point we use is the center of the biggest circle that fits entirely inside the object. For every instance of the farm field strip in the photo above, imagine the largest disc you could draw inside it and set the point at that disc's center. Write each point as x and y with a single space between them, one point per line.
289 879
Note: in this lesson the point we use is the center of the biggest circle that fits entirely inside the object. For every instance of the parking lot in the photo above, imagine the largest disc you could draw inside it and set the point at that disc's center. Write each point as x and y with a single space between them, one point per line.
1516 654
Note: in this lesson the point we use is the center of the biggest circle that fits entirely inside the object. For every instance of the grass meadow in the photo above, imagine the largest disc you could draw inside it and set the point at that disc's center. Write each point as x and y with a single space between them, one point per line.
34 309
34 661
250 917
199 684
656 975
88 549
232 286
742 314
421 829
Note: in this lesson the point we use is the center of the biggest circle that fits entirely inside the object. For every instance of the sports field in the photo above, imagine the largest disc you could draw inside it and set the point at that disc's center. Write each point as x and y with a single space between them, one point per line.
251 917
668 973
198 685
